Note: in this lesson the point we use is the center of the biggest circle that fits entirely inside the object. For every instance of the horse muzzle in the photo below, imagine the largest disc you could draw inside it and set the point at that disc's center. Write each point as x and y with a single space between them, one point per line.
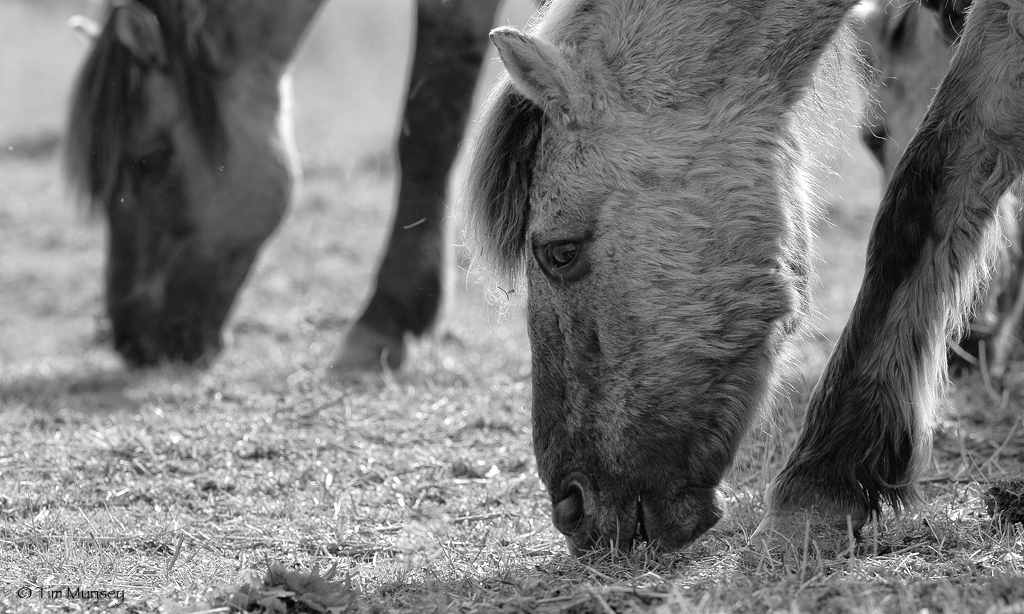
591 520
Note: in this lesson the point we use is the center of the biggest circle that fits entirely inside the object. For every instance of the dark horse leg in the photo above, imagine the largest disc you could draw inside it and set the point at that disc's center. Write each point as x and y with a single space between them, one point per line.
868 427
451 41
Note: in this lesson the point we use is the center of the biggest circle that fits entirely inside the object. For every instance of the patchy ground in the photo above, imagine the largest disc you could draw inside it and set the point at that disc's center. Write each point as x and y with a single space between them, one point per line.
168 488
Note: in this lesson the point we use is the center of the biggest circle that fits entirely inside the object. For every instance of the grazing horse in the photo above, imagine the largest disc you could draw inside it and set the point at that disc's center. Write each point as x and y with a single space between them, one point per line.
643 168
908 49
179 131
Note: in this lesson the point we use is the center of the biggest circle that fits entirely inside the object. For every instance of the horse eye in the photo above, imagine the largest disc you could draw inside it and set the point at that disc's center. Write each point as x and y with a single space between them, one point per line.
562 261
154 163
562 254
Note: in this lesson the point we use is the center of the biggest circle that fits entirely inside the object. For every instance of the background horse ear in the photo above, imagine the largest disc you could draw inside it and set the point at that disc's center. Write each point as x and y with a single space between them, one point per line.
538 71
138 29
88 29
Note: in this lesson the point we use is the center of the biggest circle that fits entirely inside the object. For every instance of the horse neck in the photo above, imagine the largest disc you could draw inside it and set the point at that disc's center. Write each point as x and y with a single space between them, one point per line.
265 30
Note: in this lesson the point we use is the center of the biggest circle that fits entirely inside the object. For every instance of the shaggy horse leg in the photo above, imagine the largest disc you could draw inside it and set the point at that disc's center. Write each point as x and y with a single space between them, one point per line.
451 40
868 427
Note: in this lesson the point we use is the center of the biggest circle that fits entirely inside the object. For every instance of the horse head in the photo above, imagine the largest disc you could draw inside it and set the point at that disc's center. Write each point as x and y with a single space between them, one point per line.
908 47
179 133
641 167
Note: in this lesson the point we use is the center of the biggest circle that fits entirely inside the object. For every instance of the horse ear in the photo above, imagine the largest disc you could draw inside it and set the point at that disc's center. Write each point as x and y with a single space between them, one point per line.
88 29
537 69
138 29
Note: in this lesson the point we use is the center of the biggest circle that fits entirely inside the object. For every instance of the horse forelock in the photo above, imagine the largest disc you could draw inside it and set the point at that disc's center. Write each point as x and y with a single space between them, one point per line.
106 106
497 203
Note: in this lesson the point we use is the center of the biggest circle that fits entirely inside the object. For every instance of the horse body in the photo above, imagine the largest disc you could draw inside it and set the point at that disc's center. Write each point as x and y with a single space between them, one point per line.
643 168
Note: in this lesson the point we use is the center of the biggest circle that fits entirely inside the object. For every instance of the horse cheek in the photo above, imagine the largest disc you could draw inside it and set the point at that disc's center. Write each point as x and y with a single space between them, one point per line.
149 224
549 381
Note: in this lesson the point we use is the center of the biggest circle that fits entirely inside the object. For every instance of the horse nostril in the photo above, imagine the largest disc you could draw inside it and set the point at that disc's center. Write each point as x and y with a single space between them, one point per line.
568 513
641 524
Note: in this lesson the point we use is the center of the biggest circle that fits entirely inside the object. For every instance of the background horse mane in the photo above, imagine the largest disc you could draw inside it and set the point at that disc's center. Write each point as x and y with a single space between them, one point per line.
107 102
496 205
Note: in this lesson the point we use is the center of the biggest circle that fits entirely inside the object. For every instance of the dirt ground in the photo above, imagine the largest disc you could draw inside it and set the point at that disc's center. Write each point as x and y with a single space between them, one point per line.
433 464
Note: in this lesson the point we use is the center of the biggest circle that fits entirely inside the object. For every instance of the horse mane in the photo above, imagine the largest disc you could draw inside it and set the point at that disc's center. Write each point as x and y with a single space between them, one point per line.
107 101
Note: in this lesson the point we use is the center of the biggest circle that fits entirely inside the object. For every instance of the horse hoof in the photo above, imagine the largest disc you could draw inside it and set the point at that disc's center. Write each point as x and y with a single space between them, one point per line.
794 531
365 350
801 509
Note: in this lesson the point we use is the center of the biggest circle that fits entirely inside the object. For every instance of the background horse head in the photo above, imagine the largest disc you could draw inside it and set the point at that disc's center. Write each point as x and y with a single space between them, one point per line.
178 132
908 46
645 167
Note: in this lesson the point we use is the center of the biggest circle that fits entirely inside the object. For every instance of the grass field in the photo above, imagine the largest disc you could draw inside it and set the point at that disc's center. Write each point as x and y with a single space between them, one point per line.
170 487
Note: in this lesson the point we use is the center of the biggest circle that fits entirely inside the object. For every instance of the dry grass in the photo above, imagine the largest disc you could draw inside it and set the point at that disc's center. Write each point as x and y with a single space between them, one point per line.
176 486
422 489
